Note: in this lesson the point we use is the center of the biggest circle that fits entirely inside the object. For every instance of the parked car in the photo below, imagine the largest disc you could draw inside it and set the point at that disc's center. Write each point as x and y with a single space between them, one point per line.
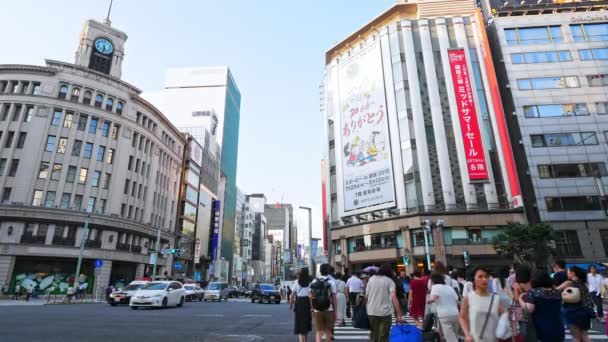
248 290
193 293
265 293
217 291
123 296
159 294
233 292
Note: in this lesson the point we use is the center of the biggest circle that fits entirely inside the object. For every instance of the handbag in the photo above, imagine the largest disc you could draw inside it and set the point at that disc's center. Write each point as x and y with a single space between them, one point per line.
503 329
516 312
571 295
360 318
485 323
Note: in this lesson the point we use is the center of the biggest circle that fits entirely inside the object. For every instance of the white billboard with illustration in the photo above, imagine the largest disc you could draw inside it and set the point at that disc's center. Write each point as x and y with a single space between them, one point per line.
362 133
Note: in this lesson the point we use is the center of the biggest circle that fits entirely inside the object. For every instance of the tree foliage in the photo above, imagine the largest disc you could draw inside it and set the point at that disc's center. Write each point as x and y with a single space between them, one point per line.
525 243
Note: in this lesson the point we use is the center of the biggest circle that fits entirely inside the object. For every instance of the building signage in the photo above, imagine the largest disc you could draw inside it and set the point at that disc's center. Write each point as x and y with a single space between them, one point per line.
362 127
197 251
469 126
196 152
507 160
216 229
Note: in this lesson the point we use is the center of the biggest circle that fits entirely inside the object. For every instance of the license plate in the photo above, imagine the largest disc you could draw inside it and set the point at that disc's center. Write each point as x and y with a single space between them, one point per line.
271 297
117 299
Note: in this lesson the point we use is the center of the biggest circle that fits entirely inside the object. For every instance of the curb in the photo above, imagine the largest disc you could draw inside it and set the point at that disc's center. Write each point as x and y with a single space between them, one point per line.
82 303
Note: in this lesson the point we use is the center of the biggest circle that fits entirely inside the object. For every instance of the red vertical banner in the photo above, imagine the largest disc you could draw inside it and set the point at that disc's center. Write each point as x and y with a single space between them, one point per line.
324 203
499 114
467 115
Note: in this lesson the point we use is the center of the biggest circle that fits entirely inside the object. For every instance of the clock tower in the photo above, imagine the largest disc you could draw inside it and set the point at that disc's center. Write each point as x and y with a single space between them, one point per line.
101 48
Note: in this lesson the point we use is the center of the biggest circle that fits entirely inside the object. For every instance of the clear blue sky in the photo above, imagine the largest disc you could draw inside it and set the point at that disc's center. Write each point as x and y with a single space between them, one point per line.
274 48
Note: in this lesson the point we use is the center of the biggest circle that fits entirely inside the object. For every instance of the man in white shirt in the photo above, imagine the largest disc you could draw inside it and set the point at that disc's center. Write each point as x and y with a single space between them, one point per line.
382 302
355 287
324 319
594 282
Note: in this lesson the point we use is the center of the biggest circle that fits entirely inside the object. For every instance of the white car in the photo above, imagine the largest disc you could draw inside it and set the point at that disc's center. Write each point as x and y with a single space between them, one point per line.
159 294
193 293
123 296
217 291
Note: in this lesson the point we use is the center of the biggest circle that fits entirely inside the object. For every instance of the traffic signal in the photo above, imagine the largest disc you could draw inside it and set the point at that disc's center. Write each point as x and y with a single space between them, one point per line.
406 260
178 252
467 261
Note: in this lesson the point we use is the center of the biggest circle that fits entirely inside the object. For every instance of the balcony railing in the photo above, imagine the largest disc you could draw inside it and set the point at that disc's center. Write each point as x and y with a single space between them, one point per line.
374 247
63 241
123 247
33 239
482 241
92 243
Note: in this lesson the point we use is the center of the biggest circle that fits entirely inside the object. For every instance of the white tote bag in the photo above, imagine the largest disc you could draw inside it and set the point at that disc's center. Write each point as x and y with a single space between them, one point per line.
503 329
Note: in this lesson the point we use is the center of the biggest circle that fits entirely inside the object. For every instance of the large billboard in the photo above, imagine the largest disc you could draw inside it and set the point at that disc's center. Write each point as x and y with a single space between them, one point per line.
362 134
467 114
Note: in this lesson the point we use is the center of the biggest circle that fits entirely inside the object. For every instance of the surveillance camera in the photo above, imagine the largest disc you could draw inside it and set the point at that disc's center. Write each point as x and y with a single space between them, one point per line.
440 223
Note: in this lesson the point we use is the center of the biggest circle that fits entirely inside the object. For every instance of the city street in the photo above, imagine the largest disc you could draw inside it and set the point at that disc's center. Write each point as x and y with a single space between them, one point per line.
235 320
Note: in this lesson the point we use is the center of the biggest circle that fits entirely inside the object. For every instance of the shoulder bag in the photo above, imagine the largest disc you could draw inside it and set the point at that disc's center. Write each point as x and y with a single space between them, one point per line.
485 323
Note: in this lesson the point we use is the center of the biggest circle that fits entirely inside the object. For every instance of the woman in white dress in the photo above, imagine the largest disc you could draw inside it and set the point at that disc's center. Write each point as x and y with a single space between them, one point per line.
341 298
480 310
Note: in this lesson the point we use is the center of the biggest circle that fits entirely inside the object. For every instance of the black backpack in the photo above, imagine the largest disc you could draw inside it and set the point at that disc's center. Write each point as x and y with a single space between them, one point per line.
321 294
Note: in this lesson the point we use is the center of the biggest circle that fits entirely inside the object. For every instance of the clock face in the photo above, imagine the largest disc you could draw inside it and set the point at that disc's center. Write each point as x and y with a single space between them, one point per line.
103 46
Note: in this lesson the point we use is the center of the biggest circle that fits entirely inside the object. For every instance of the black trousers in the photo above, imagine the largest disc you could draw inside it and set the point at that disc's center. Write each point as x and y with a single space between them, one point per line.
597 300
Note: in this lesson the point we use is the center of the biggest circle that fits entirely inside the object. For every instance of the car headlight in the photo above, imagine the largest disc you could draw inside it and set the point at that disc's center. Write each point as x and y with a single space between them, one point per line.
156 297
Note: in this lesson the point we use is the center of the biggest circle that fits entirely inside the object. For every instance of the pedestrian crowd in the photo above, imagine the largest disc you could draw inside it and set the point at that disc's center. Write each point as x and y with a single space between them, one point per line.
514 304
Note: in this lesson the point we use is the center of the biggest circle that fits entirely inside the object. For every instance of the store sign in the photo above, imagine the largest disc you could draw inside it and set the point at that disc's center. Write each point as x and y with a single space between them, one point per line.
197 251
216 230
362 128
469 126
196 152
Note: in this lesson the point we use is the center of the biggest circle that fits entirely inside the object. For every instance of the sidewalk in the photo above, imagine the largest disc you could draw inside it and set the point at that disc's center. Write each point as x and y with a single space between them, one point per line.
22 302
44 301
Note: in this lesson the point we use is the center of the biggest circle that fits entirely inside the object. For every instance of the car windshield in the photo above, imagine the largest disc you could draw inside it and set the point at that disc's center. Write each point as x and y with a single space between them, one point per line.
133 287
189 288
215 287
154 286
266 287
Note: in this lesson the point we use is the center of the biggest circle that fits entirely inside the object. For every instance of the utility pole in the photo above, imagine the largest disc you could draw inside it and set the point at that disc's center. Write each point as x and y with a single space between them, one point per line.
157 249
310 261
85 235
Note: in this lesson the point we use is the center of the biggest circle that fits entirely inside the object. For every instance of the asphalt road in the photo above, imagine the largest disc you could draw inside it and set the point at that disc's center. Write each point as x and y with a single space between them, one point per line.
197 321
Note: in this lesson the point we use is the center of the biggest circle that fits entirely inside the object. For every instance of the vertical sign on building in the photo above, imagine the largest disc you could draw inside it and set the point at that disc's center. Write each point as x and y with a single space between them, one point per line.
216 229
197 251
501 123
363 140
469 126
323 201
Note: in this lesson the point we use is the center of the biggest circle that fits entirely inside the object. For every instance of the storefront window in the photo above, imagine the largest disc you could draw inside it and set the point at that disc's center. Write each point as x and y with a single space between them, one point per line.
470 235
337 248
418 238
373 241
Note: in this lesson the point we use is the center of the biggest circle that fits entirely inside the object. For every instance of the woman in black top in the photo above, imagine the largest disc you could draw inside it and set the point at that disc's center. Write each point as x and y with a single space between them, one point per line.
303 305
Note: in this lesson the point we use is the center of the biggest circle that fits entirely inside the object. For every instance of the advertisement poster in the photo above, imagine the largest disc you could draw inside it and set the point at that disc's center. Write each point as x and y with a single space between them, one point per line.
469 126
197 251
367 172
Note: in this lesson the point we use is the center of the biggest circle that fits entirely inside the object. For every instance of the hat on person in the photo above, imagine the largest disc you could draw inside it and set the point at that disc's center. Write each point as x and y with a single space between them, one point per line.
364 276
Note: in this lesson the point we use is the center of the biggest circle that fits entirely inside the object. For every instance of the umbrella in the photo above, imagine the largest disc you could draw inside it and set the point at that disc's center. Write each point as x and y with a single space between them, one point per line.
371 269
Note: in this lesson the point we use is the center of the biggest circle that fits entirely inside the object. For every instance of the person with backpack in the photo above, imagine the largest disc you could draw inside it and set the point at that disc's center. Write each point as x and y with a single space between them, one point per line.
382 302
323 296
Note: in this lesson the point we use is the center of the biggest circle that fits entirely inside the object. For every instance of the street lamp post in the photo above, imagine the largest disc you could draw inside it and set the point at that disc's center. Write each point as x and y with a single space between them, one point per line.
85 235
156 250
310 261
427 226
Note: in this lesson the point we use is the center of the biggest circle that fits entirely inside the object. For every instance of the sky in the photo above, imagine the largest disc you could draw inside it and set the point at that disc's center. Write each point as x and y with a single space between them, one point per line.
275 50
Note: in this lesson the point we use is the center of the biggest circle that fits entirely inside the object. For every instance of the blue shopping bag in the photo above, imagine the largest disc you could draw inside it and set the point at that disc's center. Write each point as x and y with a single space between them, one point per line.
405 333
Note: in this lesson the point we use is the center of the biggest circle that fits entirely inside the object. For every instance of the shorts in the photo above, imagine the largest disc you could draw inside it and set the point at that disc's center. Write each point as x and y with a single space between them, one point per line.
324 320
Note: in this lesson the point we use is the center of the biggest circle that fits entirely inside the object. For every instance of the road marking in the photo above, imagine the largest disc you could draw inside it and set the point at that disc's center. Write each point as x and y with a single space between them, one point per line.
257 315
210 315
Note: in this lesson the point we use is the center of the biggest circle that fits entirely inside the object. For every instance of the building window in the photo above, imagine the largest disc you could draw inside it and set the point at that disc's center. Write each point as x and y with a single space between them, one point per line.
599 80
21 140
82 178
564 139
119 107
589 32
29 112
9 139
102 206
130 165
567 244
105 128
572 170
76 148
555 110
88 150
16 113
2 166
123 208
548 83
534 35
56 172
573 203
95 179
106 181
65 200
82 122
98 100
78 202
63 143
6 195
56 117
110 156
37 201
36 88
418 238
71 174
63 91
126 189
93 125
67 121
593 54
43 173
88 95
101 150
75 95
49 201
109 103
541 57
601 108
115 130
133 188
12 171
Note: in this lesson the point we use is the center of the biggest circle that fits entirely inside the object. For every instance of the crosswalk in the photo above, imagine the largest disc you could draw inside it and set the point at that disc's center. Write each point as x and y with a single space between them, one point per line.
348 333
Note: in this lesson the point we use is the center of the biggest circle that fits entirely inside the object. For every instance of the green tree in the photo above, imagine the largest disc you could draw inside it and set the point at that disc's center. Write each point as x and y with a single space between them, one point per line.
525 243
